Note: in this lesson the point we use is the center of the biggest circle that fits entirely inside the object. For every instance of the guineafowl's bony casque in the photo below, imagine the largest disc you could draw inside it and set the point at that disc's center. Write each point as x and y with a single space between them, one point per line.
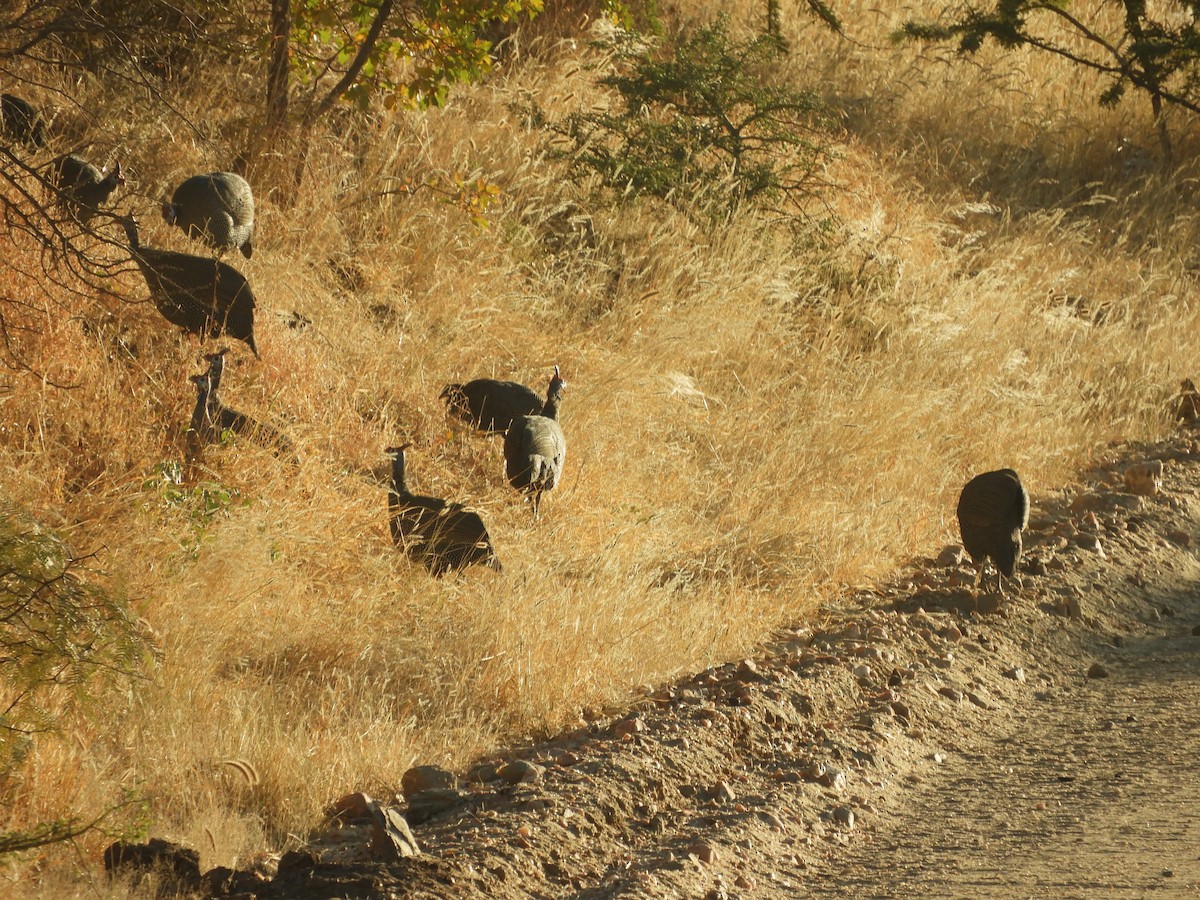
993 510
535 447
201 295
491 405
217 208
442 536
81 186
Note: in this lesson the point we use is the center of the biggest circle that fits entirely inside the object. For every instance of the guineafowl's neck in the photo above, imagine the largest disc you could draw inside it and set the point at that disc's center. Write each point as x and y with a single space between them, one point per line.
550 410
132 236
216 365
202 402
399 487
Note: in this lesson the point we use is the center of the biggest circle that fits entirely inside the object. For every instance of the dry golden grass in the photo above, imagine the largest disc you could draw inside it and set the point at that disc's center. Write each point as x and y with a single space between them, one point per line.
753 421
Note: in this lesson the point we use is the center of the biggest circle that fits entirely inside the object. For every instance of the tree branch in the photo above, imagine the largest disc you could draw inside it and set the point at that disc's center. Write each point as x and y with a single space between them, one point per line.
356 66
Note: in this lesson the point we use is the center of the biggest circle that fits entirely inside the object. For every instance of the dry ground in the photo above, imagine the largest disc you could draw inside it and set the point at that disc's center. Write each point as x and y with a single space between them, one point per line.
918 742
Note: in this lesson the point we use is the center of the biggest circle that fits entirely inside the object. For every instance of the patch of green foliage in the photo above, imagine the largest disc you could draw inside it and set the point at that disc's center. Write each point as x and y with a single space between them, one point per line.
64 643
702 120
198 502
407 53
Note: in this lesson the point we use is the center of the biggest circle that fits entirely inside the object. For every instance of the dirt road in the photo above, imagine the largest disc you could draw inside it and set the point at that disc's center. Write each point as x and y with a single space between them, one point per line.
1091 792
924 742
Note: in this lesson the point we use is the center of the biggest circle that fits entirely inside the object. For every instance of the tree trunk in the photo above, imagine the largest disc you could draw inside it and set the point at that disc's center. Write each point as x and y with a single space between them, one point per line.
278 81
1150 78
1164 136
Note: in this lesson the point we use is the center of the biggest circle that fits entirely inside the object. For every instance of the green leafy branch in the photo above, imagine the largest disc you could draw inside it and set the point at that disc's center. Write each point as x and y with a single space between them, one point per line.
409 54
1156 56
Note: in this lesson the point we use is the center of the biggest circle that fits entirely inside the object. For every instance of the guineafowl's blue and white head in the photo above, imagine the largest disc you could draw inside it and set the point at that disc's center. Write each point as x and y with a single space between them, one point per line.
557 386
116 177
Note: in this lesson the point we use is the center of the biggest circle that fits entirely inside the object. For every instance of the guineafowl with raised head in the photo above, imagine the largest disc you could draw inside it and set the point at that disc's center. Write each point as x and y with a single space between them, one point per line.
440 535
20 121
217 208
993 510
491 405
81 186
202 296
216 367
202 429
535 447
211 418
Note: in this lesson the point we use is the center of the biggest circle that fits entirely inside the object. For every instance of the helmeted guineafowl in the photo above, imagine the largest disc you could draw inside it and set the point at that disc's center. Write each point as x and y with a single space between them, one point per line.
1187 402
217 208
211 418
491 405
993 509
20 121
442 536
201 429
200 295
81 186
535 447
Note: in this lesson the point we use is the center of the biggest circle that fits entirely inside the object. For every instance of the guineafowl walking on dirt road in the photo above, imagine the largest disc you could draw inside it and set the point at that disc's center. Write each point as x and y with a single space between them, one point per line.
491 405
993 510
442 536
217 208
81 186
535 447
201 295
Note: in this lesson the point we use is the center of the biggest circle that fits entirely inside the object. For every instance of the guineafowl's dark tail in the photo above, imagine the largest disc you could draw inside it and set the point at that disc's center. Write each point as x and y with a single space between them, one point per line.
541 473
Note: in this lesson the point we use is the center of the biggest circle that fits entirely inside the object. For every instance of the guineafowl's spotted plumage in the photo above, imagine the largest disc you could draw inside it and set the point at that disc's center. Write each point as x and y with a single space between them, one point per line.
440 535
20 121
993 510
201 295
217 208
81 186
491 405
535 447
211 418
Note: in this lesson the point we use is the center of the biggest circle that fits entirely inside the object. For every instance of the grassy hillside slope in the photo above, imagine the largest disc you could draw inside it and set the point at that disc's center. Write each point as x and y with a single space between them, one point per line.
754 419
